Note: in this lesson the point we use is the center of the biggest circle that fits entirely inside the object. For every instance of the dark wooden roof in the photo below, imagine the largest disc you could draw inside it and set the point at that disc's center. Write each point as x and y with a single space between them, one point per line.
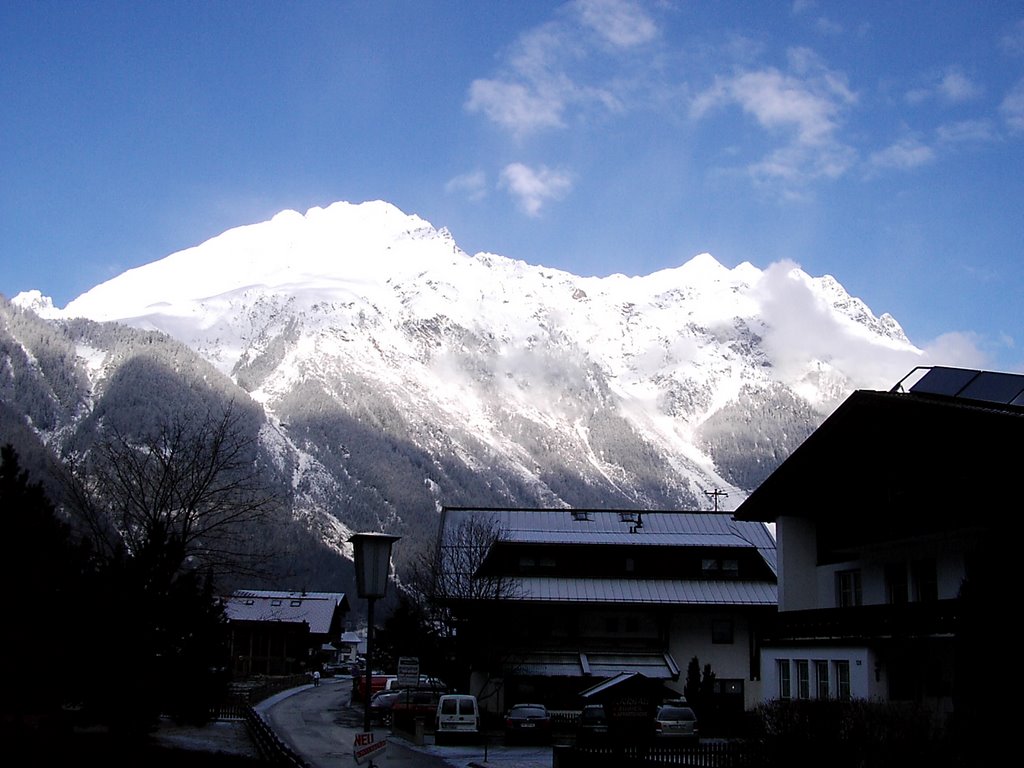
918 461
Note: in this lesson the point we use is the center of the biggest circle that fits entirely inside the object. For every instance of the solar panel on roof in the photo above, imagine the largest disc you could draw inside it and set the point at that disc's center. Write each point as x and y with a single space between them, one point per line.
986 386
943 381
994 387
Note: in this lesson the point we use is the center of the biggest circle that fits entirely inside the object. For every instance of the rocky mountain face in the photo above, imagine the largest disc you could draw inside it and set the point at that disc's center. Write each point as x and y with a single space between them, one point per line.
390 373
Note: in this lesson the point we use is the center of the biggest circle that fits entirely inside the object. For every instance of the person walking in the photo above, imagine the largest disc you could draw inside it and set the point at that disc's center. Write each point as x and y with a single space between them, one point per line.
316 677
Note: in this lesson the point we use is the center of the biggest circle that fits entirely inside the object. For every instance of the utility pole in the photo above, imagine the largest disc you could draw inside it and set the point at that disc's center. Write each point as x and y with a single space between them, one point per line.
713 495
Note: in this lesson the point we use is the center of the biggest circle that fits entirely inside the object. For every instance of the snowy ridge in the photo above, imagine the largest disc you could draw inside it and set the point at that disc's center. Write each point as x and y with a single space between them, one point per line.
639 386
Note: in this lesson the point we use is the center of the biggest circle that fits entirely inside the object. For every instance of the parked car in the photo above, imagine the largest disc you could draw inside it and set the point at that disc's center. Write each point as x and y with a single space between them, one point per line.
592 725
381 705
378 682
425 682
413 703
528 722
673 721
457 715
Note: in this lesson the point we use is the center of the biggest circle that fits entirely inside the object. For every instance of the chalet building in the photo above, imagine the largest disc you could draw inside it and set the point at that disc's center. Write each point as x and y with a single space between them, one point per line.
282 633
886 521
552 602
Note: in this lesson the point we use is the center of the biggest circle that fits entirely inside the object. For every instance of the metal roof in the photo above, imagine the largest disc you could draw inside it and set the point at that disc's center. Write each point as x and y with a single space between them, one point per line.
660 528
316 609
653 665
659 591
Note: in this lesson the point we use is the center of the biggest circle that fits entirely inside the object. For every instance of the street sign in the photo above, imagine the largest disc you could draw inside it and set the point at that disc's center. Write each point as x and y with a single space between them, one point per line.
365 746
408 671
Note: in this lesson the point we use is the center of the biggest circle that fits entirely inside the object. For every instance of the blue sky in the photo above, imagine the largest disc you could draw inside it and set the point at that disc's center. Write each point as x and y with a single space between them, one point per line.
879 142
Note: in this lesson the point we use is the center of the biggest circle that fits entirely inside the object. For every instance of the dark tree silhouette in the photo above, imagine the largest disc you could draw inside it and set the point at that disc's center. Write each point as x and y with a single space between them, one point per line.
46 574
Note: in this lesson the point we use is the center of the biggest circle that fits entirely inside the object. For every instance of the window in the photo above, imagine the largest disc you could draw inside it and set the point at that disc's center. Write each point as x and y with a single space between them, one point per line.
721 568
926 584
848 588
630 565
803 679
821 675
785 687
275 602
896 583
721 632
843 680
295 603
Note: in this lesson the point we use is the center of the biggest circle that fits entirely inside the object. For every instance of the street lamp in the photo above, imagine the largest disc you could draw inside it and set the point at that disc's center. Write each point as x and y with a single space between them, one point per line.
372 557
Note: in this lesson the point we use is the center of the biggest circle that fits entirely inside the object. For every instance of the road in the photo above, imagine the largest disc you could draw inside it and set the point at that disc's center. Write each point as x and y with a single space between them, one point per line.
320 725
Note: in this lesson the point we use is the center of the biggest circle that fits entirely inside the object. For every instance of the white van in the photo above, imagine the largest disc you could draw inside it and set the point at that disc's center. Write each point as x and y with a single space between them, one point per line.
458 714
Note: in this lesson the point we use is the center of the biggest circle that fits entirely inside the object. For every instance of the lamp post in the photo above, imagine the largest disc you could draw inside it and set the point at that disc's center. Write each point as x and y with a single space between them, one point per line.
372 557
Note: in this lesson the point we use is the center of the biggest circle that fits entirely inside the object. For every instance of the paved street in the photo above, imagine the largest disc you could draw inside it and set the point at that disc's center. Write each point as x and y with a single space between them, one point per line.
321 726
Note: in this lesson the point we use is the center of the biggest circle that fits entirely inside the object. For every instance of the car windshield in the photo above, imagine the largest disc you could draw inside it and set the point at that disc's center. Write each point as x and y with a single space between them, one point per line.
525 712
676 713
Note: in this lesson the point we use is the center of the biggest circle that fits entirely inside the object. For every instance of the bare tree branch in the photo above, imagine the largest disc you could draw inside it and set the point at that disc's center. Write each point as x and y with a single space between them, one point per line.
194 483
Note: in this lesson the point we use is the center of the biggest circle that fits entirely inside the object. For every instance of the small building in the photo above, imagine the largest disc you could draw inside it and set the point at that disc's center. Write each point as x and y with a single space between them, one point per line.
884 531
550 602
282 633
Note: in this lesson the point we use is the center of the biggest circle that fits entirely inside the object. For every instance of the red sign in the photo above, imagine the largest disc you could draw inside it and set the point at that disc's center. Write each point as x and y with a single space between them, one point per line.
365 745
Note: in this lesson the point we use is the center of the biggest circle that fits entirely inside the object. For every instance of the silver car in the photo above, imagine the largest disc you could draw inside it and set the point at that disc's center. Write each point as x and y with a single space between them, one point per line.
673 721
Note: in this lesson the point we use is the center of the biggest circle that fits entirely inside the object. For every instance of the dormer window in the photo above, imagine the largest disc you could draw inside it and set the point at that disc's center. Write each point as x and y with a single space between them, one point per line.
720 567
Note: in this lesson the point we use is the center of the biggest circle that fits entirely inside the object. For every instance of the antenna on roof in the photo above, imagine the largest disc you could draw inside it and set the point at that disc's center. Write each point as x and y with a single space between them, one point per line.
714 496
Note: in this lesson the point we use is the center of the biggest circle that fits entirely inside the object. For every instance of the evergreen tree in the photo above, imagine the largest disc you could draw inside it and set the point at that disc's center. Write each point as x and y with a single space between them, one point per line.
691 689
45 574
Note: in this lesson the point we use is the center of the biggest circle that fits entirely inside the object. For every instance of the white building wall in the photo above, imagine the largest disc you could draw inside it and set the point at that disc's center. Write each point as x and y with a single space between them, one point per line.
796 550
691 635
949 574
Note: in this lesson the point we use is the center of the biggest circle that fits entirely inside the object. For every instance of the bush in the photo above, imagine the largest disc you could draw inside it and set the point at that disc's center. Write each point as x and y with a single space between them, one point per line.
861 734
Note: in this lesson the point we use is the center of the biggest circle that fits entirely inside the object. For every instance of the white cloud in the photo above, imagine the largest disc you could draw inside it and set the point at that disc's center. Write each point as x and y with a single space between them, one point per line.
905 154
799 326
1012 107
620 23
956 87
966 130
473 185
1012 43
515 106
953 87
803 106
957 349
532 188
827 26
549 71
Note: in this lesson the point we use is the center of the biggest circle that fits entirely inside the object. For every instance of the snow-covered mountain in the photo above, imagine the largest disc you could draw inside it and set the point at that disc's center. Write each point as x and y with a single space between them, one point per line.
399 373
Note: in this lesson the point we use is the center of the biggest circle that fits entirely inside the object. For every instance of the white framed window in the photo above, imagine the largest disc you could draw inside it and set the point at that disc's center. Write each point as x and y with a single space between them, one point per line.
803 679
785 681
848 588
842 669
821 678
